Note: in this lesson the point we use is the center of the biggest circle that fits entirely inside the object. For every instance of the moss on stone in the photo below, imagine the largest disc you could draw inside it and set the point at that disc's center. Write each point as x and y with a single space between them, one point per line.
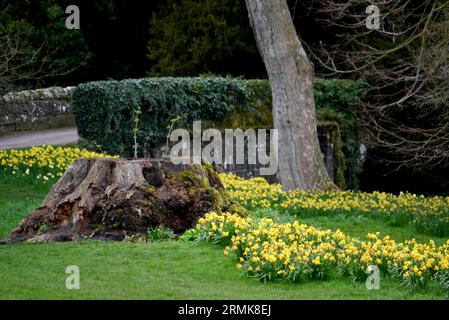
206 180
191 178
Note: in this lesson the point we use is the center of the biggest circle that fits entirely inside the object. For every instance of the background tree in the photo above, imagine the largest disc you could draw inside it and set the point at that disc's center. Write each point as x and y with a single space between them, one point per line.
116 32
112 41
192 37
291 77
404 64
37 48
18 64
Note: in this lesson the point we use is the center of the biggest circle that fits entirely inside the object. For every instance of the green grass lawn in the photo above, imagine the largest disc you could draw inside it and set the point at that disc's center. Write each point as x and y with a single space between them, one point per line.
170 270
17 198
173 270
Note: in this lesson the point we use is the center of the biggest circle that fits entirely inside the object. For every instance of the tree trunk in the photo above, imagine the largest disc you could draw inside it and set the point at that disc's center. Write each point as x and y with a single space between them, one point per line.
291 75
115 198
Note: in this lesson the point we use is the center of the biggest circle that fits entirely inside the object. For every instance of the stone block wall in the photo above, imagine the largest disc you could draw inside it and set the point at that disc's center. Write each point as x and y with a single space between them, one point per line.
247 170
36 110
253 170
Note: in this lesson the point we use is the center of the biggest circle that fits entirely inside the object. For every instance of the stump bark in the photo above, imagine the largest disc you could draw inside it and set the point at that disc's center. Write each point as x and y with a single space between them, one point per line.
111 199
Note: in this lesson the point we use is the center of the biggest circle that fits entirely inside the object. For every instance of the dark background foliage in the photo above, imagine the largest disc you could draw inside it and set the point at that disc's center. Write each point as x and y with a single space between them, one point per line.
122 39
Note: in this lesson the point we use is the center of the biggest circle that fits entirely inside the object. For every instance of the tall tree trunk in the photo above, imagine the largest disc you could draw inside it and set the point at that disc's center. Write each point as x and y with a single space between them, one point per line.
291 76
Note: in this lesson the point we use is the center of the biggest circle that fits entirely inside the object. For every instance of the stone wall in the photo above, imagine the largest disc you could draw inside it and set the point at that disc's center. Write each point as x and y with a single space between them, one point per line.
253 170
36 110
247 170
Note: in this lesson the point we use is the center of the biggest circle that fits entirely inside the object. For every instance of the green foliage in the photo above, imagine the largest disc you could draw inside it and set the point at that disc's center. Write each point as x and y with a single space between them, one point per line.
336 104
188 38
442 278
136 114
44 39
158 234
190 235
104 112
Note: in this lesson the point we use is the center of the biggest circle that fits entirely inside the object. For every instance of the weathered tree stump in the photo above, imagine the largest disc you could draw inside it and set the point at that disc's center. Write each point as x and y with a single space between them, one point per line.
110 199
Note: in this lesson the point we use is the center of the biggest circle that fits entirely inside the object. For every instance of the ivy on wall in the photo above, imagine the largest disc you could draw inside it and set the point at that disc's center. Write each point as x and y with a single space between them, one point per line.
104 113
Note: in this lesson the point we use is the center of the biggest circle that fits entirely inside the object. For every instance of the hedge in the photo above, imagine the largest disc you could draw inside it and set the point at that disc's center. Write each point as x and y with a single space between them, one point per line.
105 112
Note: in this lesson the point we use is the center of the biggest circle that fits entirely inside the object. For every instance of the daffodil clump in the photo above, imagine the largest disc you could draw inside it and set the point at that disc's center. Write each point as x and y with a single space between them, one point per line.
429 215
267 250
44 163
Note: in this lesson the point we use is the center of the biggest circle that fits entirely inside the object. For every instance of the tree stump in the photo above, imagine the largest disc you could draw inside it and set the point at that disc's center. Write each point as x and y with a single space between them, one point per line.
111 199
